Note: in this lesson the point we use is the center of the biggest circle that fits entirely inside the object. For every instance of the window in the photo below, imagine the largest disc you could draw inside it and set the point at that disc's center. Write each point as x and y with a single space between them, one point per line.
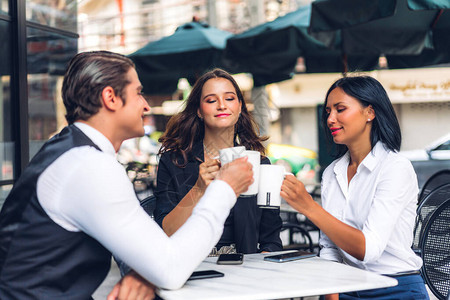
6 139
444 146
48 55
4 7
38 38
61 14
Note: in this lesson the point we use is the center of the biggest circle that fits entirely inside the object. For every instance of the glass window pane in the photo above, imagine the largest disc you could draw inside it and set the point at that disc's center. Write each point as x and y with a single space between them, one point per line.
4 191
61 14
6 138
4 7
48 57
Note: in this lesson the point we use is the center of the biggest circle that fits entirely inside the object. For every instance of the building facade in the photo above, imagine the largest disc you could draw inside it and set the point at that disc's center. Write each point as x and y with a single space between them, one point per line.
38 39
40 36
421 99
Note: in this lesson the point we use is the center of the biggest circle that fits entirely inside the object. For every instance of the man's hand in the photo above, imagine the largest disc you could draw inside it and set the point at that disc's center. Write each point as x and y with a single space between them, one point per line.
132 286
238 174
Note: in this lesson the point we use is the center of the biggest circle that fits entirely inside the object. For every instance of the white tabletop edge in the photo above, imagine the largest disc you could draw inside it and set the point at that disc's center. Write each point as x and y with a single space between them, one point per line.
258 279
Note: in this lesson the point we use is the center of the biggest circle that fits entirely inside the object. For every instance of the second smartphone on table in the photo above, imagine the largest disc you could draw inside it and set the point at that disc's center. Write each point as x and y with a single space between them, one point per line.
289 256
230 259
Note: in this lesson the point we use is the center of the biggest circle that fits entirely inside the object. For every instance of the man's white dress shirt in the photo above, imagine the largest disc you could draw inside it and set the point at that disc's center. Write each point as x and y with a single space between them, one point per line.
381 201
88 190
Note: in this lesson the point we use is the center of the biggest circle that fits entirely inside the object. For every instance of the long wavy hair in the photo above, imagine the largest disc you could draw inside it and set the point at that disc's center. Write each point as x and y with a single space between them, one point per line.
186 128
368 91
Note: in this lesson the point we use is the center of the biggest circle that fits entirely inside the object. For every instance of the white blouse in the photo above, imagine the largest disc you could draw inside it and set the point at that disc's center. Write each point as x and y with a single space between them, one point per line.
381 201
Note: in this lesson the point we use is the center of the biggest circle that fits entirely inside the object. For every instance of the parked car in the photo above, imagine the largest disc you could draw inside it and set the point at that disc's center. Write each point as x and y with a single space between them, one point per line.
301 162
433 158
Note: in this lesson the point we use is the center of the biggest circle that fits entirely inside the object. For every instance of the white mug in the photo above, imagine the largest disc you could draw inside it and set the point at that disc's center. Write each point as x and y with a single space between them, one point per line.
227 155
254 157
270 180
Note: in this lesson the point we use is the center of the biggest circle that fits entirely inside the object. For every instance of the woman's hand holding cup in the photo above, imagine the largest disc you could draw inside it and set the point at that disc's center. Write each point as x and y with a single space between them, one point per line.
207 172
296 195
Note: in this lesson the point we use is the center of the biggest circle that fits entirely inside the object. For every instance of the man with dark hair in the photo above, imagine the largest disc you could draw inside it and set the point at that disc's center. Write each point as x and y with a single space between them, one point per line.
74 205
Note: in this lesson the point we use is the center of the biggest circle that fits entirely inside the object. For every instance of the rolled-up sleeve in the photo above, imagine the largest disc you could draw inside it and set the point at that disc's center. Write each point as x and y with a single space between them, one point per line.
328 249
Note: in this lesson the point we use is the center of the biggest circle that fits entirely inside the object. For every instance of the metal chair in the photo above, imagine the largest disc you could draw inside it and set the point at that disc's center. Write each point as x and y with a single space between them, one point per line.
436 180
148 204
300 229
299 238
435 251
426 208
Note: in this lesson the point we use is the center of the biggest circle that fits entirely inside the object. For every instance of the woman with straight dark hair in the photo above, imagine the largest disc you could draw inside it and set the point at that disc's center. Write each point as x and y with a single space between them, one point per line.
215 117
369 193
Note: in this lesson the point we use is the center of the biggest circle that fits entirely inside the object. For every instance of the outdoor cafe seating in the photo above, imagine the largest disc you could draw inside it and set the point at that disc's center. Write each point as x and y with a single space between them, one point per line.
436 180
432 233
435 251
148 204
302 234
426 207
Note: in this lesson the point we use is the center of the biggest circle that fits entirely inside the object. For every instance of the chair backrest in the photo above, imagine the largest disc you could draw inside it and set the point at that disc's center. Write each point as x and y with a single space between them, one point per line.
298 237
435 251
427 207
148 204
436 180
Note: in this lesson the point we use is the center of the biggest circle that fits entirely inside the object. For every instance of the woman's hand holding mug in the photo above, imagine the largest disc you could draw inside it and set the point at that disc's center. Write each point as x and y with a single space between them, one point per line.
207 172
295 194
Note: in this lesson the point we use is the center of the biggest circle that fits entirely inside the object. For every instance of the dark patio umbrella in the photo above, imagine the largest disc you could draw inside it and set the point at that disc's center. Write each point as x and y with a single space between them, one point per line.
189 52
389 27
440 36
270 51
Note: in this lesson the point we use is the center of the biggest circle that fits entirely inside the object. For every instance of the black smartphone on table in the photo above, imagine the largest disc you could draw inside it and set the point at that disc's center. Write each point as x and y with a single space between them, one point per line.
205 274
289 256
230 259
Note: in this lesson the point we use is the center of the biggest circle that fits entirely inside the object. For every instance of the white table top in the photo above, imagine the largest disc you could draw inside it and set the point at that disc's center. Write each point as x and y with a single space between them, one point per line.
259 279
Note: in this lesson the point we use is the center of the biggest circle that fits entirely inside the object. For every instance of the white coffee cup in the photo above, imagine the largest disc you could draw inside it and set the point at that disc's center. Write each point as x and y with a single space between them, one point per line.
254 157
270 180
227 155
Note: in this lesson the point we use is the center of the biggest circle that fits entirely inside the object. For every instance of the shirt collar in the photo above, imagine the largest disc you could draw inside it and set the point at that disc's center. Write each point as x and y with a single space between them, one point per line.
377 154
342 164
97 137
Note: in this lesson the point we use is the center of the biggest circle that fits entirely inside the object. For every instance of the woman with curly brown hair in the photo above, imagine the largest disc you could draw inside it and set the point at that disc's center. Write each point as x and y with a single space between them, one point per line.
215 117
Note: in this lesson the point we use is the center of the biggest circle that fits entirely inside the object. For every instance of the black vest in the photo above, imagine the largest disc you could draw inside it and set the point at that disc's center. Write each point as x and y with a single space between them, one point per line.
38 258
